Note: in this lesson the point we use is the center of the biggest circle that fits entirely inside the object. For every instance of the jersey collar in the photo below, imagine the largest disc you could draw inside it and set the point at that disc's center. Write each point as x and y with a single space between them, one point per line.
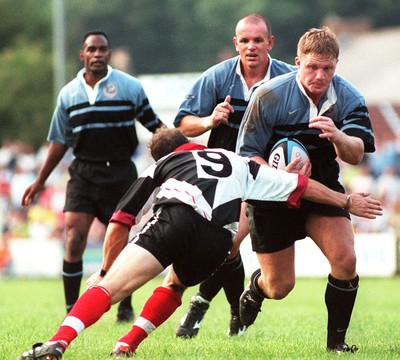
190 146
81 74
246 91
331 99
92 92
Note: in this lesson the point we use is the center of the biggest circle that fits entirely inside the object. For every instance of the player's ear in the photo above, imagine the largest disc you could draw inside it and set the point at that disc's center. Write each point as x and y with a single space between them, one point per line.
271 40
235 42
297 61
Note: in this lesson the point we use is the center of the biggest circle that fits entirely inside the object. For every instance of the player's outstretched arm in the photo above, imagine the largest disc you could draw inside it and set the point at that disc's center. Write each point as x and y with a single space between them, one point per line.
358 204
114 241
362 205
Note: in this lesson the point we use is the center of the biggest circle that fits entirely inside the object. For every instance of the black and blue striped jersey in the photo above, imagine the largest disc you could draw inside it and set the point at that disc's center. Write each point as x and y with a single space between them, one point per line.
214 182
99 123
212 87
280 108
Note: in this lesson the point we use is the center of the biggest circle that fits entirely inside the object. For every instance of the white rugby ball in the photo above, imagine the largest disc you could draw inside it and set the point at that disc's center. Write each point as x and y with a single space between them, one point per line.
284 151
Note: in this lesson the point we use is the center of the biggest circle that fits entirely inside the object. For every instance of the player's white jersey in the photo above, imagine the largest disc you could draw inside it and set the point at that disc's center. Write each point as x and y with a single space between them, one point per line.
214 182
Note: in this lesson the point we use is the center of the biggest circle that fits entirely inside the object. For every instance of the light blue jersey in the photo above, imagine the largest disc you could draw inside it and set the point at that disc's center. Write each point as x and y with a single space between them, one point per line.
212 88
99 123
279 108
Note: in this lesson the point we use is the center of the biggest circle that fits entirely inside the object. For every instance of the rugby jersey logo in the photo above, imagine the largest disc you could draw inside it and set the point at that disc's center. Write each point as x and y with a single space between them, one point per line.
111 90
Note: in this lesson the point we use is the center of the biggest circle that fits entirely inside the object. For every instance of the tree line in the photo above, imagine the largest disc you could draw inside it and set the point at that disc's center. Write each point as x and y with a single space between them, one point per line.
161 36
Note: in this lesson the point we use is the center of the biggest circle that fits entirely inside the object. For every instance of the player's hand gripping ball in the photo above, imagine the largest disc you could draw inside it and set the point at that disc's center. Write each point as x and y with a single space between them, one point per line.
285 151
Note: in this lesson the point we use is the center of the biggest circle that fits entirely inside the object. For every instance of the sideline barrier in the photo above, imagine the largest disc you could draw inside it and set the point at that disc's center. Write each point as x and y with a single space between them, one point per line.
36 258
376 257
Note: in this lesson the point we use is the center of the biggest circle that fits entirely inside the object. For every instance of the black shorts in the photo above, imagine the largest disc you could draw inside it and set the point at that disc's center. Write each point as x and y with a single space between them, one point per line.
274 227
178 235
96 187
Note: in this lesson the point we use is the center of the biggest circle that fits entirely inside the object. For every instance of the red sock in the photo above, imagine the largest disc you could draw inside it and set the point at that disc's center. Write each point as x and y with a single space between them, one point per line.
158 308
89 308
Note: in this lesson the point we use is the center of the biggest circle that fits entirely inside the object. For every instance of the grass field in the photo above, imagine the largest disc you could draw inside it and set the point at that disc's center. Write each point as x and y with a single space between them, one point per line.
293 328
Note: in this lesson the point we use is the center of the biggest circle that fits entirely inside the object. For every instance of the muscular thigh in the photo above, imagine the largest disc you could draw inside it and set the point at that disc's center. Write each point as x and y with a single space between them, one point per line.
133 268
333 235
278 265
179 236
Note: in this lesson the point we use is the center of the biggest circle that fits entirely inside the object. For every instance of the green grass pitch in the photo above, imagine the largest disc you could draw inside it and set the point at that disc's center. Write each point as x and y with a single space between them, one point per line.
293 328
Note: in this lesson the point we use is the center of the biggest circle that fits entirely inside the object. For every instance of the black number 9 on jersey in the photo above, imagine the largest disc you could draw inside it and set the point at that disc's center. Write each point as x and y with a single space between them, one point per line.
220 167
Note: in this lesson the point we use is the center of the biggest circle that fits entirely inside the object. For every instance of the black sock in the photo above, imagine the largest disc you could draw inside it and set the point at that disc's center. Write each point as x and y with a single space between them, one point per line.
72 277
126 303
211 287
254 285
340 296
234 282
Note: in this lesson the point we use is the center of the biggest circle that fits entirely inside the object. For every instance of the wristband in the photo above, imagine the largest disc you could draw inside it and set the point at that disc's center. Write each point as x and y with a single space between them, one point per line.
348 202
207 124
103 272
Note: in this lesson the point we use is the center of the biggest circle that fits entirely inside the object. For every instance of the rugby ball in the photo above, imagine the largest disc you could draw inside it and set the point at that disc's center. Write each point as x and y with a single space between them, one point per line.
284 151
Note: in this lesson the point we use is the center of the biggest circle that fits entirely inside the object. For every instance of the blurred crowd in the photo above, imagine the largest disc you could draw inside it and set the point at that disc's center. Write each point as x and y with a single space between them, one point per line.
19 164
378 174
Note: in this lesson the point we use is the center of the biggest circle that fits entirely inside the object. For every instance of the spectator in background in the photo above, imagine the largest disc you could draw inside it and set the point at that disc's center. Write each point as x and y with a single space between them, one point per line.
387 190
95 116
362 180
24 174
387 155
5 253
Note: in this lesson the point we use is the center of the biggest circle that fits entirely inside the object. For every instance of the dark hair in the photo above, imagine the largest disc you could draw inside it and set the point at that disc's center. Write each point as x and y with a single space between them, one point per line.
166 140
94 32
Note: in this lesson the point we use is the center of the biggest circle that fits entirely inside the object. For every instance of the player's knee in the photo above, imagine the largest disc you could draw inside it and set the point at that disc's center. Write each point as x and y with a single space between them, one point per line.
178 289
281 292
279 289
75 244
345 263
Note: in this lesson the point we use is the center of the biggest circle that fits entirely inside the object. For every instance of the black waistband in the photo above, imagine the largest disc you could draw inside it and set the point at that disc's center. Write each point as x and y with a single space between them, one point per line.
106 163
